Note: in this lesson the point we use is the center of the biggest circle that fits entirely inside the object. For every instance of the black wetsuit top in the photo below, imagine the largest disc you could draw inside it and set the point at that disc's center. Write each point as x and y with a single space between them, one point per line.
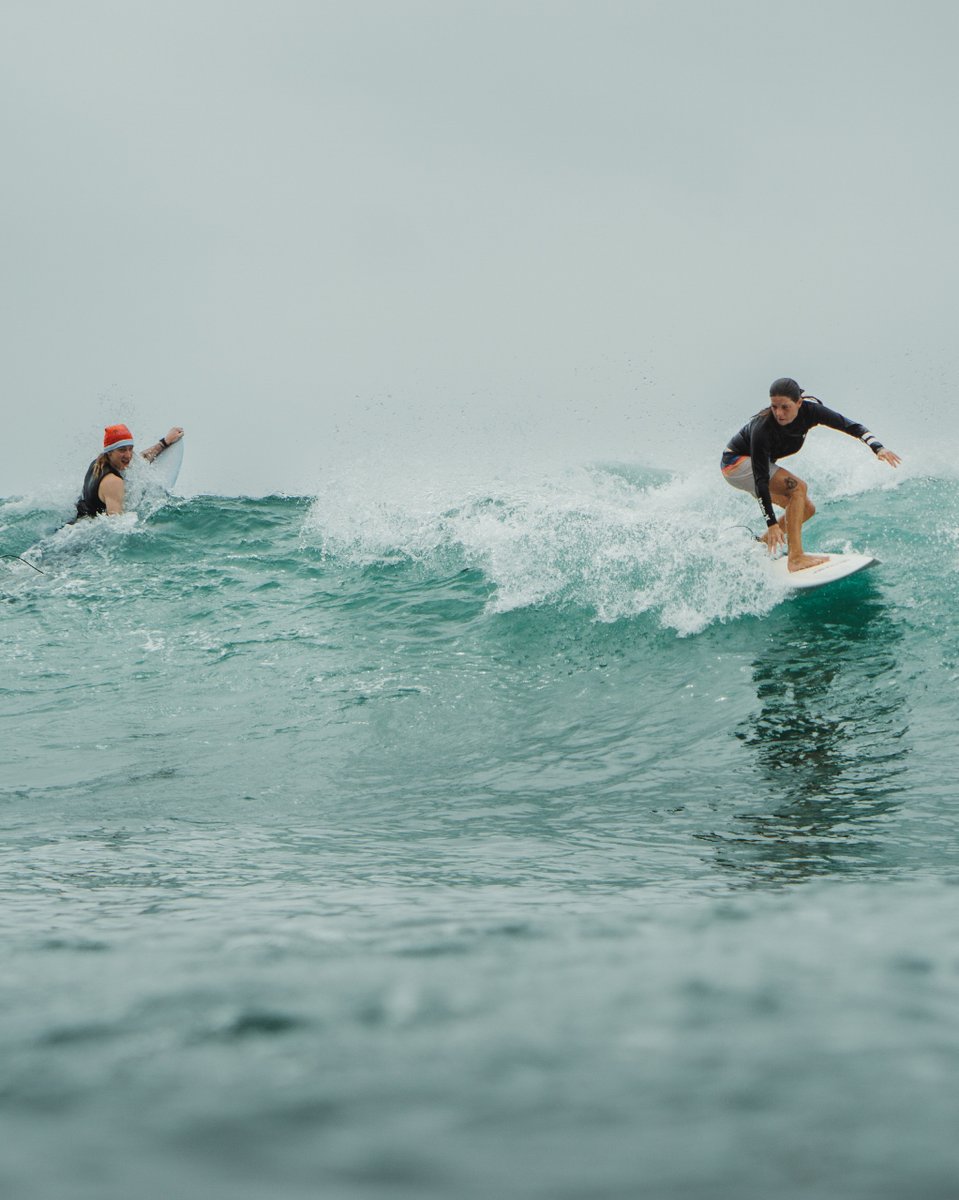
89 503
764 441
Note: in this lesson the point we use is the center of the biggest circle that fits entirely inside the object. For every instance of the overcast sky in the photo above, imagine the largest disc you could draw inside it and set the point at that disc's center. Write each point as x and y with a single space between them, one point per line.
317 232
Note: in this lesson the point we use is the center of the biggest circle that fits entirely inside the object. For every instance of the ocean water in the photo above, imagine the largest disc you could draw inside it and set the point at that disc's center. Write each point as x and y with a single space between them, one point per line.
506 839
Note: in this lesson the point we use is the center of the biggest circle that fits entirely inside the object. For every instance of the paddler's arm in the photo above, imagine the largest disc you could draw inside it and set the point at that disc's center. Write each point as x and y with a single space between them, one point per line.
111 493
164 443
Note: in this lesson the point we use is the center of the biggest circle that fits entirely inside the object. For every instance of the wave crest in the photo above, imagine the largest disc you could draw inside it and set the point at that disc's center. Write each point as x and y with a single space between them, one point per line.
615 541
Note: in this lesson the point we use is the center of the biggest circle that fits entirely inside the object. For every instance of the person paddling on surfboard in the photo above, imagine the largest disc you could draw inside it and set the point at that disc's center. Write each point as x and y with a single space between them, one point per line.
103 487
749 462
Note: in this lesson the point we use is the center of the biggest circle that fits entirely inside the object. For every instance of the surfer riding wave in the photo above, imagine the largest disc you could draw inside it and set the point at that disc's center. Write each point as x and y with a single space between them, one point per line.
104 487
749 463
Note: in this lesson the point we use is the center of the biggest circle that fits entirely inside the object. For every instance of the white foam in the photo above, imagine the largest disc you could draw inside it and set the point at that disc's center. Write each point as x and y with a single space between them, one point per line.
592 538
100 532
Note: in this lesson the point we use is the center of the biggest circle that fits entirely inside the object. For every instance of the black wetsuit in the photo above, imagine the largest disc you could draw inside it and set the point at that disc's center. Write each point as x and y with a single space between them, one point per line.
89 503
764 440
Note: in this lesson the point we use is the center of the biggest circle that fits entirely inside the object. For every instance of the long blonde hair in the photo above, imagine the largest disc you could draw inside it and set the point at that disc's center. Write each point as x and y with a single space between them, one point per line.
101 464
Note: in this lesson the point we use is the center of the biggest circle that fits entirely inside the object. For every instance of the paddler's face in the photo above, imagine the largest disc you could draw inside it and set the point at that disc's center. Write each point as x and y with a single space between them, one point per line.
121 459
784 408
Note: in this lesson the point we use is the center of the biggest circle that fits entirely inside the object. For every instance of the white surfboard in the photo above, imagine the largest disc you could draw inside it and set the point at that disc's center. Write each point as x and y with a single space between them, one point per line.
836 566
166 466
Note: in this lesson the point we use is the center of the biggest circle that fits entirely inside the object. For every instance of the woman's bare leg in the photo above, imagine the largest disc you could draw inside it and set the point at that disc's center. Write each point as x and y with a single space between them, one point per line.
789 492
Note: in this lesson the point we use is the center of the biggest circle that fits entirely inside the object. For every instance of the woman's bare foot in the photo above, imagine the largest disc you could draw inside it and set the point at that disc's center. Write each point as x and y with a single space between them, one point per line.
805 561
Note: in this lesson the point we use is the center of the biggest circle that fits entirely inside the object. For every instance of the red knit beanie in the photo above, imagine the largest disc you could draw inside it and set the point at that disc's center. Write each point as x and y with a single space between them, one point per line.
116 437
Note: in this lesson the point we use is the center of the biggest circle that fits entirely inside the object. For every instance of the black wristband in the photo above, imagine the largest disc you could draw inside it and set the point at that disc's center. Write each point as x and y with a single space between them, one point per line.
164 443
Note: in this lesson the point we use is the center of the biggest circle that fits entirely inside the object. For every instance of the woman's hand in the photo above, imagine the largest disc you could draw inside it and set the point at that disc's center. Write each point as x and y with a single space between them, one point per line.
887 456
774 537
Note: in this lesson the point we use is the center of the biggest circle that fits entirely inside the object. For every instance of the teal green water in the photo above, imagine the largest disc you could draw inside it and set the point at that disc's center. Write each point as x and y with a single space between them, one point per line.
519 843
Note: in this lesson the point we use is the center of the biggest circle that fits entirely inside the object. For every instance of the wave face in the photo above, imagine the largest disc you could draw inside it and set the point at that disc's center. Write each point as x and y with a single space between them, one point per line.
430 837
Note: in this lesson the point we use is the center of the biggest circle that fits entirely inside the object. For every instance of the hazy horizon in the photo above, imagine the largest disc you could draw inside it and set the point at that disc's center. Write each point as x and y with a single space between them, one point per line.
317 234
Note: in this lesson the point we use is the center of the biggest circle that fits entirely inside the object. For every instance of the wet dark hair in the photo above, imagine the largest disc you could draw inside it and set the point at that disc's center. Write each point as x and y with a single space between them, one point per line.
785 387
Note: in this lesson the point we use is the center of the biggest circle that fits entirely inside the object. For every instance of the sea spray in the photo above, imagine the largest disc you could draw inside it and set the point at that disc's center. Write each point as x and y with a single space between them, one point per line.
612 541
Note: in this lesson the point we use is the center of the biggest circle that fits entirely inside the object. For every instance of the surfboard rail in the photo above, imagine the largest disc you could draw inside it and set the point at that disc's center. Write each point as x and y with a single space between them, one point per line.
166 466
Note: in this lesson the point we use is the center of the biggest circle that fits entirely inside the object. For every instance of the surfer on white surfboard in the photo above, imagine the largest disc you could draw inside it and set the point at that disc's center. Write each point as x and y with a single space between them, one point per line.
749 463
104 488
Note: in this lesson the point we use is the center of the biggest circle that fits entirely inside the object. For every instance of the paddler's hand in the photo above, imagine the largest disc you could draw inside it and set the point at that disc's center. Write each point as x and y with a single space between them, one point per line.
174 435
887 456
